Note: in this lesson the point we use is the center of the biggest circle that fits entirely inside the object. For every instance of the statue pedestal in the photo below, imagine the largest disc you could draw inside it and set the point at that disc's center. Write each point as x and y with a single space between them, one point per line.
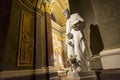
89 75
73 75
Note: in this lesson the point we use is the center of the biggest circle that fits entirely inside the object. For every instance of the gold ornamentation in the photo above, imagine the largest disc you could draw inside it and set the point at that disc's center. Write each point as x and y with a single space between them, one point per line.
47 7
26 40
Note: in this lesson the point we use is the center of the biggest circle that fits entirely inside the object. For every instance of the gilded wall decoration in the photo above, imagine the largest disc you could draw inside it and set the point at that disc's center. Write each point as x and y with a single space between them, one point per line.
40 5
26 40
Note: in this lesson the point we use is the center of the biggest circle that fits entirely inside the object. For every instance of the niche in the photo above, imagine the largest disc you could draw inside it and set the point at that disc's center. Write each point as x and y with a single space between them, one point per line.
96 43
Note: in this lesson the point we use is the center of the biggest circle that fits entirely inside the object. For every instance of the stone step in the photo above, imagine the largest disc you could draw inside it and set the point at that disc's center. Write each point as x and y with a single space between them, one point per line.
89 75
110 74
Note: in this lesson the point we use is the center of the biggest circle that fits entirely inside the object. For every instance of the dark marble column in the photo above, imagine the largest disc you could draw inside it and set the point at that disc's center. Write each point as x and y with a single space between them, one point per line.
49 42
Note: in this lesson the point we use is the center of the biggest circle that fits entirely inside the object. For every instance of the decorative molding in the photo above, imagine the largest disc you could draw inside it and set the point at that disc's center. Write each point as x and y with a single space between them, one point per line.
32 2
110 52
87 77
58 27
40 5
18 73
58 30
110 58
7 74
49 69
40 13
31 8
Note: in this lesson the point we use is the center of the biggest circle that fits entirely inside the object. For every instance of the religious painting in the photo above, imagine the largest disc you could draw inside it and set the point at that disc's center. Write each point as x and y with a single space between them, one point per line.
26 40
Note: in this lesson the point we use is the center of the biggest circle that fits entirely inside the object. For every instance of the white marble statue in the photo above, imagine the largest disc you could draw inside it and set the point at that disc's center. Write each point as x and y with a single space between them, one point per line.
79 46
73 26
69 35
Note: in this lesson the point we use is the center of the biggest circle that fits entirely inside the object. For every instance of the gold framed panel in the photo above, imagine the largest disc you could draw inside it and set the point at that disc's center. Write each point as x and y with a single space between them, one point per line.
26 40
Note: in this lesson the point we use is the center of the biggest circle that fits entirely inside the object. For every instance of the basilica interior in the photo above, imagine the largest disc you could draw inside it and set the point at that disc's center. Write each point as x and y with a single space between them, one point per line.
33 39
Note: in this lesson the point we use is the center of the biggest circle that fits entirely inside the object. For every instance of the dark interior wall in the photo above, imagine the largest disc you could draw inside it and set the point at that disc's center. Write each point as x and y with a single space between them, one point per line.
89 17
75 7
40 59
38 43
10 55
14 15
4 25
107 16
10 23
103 13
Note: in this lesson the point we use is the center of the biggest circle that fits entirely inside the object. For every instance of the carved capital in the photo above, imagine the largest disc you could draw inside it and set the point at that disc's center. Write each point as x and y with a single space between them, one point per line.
47 7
